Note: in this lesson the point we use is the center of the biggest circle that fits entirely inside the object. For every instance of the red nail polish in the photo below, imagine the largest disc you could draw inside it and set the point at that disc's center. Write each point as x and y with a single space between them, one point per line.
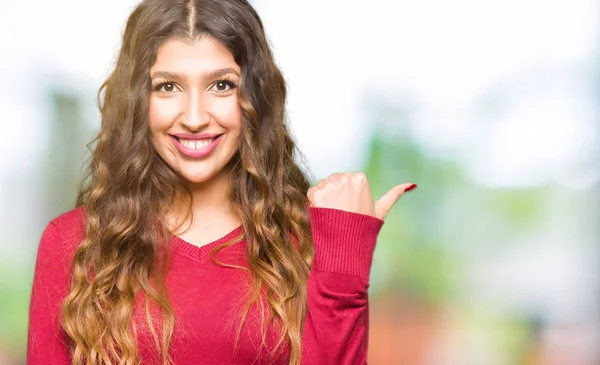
410 187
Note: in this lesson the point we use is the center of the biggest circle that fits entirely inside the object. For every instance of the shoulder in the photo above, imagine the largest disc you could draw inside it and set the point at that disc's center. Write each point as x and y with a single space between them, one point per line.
63 233
53 266
71 221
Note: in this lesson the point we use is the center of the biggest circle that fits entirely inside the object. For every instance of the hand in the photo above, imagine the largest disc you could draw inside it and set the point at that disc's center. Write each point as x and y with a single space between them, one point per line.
351 192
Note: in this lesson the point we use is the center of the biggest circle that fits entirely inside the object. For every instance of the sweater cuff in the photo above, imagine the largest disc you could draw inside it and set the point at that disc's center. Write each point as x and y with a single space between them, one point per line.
344 241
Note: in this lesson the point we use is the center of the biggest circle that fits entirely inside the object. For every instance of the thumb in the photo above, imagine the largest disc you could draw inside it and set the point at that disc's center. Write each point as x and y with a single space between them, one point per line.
386 202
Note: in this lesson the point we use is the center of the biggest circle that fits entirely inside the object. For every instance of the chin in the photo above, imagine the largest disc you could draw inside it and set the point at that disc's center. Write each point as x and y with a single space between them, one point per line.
196 178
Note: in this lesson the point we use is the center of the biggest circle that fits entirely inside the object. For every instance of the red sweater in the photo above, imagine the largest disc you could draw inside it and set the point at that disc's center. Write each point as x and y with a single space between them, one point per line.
206 297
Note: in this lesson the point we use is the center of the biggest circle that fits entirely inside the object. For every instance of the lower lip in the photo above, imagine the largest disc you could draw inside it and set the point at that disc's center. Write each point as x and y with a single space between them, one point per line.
202 152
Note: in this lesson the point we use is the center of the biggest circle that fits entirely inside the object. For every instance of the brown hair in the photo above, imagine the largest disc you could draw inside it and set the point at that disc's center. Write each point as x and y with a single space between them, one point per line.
129 188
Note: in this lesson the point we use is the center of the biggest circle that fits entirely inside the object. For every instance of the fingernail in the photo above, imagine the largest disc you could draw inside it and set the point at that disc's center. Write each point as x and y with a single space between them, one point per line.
410 187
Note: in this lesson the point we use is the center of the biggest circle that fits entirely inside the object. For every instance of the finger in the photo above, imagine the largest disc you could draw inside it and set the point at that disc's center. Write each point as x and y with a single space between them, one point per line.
386 202
335 176
321 183
358 176
310 193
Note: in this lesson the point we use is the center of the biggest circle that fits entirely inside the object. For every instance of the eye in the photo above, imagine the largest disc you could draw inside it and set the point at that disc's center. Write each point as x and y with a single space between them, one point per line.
223 86
168 87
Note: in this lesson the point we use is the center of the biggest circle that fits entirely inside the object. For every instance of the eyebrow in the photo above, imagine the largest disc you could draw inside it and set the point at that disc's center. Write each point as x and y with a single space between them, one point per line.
208 75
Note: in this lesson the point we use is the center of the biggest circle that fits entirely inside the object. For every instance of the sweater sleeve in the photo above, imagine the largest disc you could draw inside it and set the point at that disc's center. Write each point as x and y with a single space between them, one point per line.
46 342
336 326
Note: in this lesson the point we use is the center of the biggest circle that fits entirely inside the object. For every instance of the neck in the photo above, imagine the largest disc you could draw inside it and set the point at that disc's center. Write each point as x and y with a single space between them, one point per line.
210 203
211 199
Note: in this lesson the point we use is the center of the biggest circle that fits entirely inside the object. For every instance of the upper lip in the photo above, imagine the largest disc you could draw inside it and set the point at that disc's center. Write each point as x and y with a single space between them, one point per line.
195 137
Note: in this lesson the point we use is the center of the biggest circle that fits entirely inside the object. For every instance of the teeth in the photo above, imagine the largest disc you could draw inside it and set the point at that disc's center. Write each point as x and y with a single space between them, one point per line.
195 145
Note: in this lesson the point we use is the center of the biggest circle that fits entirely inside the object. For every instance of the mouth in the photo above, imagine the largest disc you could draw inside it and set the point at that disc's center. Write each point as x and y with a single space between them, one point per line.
196 144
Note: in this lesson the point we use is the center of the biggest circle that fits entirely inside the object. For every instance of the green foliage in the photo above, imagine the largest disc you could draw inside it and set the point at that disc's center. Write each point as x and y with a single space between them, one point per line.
15 289
411 257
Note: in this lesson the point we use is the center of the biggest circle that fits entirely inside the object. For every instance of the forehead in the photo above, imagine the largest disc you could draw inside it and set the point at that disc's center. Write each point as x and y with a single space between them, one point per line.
197 57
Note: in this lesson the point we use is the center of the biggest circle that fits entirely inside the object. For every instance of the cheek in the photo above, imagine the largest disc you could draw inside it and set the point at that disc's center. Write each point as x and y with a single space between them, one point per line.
161 114
229 114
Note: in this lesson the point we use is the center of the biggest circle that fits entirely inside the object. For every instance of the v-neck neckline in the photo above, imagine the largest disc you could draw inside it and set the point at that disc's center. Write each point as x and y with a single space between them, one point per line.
198 252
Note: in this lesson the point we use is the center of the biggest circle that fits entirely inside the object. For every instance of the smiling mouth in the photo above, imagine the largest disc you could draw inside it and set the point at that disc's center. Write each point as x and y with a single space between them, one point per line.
197 143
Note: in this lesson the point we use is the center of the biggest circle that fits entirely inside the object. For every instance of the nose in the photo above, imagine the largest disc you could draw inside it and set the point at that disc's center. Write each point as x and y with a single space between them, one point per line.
196 113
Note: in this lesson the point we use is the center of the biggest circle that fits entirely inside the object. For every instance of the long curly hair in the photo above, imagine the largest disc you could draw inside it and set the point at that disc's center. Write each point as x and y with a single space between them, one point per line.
128 189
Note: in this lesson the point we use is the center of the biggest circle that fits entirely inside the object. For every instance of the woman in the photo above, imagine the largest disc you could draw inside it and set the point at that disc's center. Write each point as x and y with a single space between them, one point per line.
197 238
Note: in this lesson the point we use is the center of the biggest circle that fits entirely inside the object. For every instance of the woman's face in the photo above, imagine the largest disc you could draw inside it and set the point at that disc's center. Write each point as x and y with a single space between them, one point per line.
194 115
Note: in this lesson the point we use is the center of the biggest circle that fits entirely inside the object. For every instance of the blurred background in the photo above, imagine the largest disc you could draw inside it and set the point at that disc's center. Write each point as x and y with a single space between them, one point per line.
491 107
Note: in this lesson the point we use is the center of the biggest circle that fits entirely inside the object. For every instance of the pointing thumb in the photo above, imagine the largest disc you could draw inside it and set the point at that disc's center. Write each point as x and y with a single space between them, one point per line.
386 202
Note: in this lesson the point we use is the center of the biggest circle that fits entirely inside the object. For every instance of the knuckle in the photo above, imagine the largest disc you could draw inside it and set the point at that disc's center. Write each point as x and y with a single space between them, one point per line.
359 176
335 177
